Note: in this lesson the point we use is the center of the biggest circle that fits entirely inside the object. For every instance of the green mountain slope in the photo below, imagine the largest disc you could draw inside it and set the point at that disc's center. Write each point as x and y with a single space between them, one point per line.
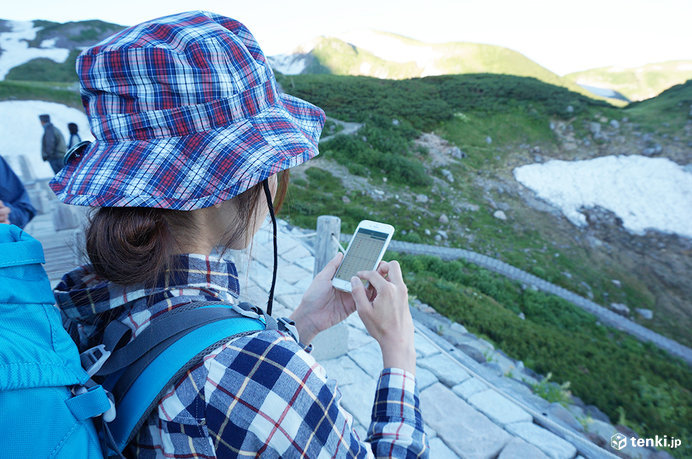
637 83
381 54
72 36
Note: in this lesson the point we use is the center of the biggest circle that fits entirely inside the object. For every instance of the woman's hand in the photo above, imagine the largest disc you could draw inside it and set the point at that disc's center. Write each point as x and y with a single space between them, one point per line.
322 305
383 308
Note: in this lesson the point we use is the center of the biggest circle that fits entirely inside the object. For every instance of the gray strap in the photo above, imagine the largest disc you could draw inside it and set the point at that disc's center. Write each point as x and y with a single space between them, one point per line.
163 331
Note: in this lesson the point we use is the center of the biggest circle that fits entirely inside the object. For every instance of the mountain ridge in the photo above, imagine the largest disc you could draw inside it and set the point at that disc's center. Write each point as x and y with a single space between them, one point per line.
636 83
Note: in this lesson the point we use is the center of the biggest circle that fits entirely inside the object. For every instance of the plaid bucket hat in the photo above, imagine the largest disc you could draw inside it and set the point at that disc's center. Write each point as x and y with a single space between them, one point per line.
186 113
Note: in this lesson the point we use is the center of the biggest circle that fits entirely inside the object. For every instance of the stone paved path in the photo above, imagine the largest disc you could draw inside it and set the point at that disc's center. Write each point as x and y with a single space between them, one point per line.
470 410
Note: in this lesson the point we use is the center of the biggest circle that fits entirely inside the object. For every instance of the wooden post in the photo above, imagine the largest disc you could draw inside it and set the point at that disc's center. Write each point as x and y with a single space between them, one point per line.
326 246
333 342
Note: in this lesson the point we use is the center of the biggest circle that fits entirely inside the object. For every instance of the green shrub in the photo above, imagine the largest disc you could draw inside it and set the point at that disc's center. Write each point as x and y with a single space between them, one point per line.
604 366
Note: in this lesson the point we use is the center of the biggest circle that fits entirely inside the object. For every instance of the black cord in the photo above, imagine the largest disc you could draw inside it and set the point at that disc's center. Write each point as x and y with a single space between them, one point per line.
268 195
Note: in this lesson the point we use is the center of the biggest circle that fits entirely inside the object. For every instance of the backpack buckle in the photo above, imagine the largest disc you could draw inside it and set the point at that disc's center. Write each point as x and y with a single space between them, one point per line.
94 358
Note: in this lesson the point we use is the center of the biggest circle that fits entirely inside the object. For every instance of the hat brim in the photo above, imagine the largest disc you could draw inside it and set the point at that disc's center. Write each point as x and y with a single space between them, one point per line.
196 170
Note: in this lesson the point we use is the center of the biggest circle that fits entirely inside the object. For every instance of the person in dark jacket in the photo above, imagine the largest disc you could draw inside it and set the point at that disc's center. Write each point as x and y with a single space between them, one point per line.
52 145
15 206
74 135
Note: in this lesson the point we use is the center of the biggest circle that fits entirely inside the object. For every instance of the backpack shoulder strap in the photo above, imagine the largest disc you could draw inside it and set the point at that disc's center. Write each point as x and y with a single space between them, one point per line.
172 344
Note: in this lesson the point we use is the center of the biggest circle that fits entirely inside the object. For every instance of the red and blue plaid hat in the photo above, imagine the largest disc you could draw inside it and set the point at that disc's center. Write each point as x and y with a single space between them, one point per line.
186 113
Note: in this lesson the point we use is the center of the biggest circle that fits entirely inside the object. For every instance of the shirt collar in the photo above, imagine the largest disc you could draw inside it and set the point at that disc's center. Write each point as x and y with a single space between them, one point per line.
82 294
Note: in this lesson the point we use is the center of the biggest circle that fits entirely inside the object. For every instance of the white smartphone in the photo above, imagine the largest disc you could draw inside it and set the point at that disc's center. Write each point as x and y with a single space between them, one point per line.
364 253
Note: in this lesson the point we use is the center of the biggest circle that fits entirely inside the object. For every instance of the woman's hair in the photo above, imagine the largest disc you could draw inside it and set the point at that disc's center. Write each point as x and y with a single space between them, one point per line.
136 245
72 127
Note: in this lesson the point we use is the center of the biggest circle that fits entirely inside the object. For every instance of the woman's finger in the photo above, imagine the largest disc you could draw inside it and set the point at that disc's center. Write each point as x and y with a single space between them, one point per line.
383 268
375 279
359 296
395 275
330 269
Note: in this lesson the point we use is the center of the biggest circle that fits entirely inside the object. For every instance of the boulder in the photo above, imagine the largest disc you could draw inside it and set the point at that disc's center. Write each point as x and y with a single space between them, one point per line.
444 219
645 313
500 215
455 152
488 140
472 352
563 415
620 308
447 175
614 124
603 430
421 198
595 413
595 128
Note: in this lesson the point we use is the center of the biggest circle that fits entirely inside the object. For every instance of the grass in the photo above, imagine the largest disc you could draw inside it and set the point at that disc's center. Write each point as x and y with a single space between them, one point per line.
84 33
667 113
43 69
61 93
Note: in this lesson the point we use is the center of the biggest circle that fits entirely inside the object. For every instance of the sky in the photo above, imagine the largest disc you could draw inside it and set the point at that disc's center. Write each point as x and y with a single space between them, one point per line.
563 36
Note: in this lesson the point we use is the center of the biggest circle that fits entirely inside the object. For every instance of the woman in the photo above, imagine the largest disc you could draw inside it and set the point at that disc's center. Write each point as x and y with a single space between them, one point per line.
190 130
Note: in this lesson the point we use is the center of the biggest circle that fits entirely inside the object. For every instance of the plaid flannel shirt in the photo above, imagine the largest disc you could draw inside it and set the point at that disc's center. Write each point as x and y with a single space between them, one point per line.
258 395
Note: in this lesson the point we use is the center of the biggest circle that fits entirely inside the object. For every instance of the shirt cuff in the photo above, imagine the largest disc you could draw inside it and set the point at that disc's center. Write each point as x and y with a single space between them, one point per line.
396 397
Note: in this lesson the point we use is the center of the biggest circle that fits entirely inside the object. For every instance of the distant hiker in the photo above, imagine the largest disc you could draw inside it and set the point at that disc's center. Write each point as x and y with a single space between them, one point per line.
74 135
15 206
191 155
52 144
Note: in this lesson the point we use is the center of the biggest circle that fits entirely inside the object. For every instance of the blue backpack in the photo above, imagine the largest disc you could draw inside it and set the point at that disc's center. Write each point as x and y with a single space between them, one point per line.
48 393
40 370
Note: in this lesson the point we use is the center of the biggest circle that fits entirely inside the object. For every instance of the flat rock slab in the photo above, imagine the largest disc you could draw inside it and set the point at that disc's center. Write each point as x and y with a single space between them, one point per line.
498 408
438 450
469 387
345 371
552 445
423 345
369 358
425 378
447 370
358 399
519 448
466 431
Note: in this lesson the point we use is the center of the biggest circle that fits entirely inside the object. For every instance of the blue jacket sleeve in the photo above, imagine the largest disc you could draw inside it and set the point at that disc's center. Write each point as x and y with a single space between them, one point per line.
14 195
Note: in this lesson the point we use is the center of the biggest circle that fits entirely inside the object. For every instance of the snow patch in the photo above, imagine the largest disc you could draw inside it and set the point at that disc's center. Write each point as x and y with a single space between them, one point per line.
646 193
16 51
288 64
21 131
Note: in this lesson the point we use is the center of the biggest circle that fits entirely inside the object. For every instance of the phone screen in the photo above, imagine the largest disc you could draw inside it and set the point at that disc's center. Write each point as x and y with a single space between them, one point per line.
363 253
